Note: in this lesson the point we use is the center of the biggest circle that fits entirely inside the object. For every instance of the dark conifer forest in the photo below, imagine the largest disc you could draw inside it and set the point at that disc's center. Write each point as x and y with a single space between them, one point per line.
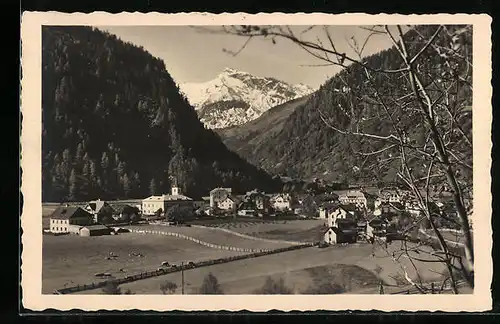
305 147
115 125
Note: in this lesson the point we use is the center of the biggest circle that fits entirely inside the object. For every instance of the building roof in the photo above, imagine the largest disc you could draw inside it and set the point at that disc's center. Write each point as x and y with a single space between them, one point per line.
337 230
168 198
377 221
255 193
122 208
329 205
232 198
286 196
97 205
396 205
95 227
348 207
219 188
352 194
64 212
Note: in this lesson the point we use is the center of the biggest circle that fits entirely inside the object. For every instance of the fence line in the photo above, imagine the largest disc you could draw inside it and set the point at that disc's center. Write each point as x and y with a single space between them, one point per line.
195 240
149 274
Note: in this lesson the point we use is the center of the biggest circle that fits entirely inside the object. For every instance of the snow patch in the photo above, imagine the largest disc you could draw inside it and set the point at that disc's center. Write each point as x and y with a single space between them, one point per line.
259 93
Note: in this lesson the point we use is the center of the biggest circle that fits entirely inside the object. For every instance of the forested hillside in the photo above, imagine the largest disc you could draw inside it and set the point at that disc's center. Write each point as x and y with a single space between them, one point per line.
306 147
244 139
115 125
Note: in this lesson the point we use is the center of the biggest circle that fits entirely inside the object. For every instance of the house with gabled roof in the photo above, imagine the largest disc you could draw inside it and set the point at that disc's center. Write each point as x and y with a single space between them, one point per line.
283 202
219 194
336 235
100 210
229 204
64 218
257 200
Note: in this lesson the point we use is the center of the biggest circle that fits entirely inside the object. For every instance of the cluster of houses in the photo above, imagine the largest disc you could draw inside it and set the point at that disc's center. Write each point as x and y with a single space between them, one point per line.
349 215
91 219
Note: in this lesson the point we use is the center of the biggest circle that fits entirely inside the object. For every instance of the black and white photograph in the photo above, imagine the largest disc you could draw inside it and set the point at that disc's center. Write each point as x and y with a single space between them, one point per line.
252 158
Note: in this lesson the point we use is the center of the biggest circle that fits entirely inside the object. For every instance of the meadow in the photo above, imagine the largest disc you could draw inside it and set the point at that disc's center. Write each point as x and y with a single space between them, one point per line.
213 236
310 230
69 260
358 268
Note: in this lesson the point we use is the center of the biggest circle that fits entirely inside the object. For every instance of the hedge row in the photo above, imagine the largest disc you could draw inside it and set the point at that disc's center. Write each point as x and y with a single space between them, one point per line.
149 274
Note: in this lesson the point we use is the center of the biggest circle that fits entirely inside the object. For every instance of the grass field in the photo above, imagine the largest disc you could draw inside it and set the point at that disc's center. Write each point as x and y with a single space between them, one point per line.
296 230
213 236
71 260
358 267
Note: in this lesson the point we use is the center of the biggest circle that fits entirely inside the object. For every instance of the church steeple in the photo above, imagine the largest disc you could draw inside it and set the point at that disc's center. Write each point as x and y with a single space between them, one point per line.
175 188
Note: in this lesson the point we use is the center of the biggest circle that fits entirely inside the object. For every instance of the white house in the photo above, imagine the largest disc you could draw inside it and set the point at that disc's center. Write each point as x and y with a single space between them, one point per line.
332 214
219 194
152 204
64 219
355 197
227 204
283 201
335 235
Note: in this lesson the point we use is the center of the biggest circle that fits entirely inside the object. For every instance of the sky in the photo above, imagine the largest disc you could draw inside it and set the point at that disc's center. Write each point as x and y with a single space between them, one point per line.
192 55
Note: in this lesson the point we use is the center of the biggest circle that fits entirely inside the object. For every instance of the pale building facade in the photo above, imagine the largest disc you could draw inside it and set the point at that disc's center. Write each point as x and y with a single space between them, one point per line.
227 204
354 197
152 204
63 219
219 194
282 202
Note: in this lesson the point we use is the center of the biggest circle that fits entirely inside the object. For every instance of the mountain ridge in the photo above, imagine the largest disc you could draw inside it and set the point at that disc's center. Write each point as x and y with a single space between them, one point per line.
235 97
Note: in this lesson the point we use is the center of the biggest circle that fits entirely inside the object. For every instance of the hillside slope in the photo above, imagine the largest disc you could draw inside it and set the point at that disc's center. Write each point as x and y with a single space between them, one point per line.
116 126
305 147
244 139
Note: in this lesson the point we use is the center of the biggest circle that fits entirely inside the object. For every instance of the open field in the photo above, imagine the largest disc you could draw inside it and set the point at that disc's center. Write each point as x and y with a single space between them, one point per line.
359 267
296 230
213 236
231 221
70 259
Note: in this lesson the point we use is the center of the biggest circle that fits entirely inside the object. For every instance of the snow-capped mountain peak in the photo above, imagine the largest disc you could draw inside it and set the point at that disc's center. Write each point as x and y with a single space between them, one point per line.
235 97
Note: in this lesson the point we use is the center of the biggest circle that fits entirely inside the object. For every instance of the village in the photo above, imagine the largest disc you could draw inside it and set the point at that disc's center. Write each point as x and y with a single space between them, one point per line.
349 216
356 229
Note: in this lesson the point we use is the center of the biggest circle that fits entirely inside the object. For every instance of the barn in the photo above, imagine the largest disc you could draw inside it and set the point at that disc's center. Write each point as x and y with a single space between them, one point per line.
95 230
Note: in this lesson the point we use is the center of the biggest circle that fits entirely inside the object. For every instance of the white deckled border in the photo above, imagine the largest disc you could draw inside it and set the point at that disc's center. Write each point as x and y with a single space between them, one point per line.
31 164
